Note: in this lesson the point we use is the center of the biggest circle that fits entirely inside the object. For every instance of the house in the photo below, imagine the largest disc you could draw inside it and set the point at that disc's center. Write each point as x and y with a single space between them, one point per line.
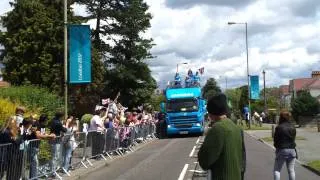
285 97
314 88
310 84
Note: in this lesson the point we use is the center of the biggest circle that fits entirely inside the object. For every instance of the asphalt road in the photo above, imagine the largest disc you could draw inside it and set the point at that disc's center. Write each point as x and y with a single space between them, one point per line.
171 159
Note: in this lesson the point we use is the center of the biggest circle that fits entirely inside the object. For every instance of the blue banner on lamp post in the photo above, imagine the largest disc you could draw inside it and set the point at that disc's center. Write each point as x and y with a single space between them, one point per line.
80 54
254 87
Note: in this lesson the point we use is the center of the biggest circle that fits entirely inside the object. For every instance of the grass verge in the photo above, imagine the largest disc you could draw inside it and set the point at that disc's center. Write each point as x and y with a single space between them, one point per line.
254 127
315 165
270 139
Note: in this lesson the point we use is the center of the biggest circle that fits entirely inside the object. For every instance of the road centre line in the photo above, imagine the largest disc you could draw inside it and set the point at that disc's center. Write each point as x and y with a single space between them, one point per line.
191 153
198 140
183 172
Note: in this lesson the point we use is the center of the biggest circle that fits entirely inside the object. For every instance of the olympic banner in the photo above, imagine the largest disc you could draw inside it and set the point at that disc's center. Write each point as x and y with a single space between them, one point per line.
79 54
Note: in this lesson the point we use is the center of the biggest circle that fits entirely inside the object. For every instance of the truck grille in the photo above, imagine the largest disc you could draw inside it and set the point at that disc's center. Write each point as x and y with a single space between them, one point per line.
183 125
183 120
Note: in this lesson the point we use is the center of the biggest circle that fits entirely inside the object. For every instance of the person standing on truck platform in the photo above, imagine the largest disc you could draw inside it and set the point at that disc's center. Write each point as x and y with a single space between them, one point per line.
223 150
196 79
177 79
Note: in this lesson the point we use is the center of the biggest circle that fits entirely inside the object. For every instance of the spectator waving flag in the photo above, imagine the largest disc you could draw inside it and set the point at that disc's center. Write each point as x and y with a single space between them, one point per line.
105 101
201 70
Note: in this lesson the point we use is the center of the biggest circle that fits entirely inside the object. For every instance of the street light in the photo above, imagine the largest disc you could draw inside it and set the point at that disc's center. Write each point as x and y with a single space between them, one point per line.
264 91
246 25
226 81
178 66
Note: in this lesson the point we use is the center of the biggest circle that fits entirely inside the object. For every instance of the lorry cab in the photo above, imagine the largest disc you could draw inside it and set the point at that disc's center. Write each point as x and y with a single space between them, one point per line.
185 110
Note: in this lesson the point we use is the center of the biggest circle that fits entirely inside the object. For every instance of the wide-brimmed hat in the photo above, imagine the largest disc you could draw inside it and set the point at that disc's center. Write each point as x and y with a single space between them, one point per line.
21 108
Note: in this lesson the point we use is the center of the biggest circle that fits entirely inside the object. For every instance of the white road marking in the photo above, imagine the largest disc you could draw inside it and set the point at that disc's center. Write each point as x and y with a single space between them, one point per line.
193 149
198 140
183 172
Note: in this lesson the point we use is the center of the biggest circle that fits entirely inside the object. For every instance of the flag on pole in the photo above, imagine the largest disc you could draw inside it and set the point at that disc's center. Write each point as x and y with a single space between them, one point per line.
201 70
105 101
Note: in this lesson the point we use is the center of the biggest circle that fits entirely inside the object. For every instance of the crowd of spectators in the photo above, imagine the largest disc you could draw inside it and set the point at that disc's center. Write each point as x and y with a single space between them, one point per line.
60 132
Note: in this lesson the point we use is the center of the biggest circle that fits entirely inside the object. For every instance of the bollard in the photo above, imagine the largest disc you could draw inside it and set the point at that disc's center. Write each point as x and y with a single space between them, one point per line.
272 131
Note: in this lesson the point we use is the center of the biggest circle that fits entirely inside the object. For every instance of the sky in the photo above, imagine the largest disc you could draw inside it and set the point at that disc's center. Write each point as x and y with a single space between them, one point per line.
283 39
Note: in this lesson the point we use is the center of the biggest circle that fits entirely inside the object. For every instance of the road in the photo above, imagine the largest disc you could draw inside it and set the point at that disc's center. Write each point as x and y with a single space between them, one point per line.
175 158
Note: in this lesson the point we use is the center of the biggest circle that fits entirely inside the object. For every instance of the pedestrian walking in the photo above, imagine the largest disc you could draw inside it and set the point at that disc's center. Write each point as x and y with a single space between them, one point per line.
284 142
222 152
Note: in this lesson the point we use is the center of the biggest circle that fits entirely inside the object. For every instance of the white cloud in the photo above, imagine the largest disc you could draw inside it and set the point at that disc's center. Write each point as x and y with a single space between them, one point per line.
283 38
281 41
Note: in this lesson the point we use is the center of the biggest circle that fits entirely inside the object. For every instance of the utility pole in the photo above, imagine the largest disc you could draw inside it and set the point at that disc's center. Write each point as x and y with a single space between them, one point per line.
264 91
226 83
66 58
248 74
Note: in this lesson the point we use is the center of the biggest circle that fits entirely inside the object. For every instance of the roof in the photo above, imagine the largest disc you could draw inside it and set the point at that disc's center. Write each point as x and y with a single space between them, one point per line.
4 84
300 84
314 84
284 89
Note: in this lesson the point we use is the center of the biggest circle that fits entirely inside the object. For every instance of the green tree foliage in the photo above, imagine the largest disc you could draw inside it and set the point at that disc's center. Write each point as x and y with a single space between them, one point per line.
34 98
243 97
234 98
122 23
33 43
273 100
157 100
210 89
305 105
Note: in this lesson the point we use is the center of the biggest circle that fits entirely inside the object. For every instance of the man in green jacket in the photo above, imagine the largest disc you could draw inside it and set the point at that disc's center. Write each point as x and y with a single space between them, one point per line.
223 147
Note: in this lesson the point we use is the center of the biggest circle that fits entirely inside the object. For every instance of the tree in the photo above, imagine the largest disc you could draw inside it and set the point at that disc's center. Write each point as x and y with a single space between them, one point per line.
157 100
305 105
33 43
122 23
233 96
33 51
243 102
210 89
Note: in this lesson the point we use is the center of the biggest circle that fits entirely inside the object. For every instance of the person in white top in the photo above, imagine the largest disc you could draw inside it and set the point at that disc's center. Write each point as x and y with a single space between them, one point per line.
97 128
96 122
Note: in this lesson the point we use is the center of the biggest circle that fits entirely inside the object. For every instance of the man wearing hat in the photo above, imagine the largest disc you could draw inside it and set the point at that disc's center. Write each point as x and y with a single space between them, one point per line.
222 149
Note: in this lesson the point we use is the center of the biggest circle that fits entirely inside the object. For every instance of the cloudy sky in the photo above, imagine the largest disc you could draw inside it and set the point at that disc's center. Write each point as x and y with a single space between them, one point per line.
283 38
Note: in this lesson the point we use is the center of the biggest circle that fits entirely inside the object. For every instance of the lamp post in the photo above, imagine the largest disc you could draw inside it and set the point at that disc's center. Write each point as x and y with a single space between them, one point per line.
65 58
264 91
226 82
178 66
248 75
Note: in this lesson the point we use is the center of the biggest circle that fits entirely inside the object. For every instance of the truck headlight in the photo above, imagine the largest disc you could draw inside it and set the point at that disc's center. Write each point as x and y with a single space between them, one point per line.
198 124
169 126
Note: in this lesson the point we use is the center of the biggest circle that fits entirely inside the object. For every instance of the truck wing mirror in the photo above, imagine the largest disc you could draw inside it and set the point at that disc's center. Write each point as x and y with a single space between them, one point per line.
162 107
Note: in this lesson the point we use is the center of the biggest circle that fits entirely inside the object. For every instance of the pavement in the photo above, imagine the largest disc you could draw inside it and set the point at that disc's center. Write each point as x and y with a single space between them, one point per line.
176 158
308 149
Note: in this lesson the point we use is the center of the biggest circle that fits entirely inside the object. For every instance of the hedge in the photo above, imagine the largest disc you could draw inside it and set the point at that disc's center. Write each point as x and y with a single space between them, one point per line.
34 98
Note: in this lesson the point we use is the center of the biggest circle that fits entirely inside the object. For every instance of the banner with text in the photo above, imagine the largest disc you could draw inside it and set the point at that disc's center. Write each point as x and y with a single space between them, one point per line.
254 87
80 54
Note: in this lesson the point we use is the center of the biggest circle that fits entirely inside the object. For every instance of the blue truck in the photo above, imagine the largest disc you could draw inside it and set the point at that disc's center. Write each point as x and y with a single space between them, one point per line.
185 111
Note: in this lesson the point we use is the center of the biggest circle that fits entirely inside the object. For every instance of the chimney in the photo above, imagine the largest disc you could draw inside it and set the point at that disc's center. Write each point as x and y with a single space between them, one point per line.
315 74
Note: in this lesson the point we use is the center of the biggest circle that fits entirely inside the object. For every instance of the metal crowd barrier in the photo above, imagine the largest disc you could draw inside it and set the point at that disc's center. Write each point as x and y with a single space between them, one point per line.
41 159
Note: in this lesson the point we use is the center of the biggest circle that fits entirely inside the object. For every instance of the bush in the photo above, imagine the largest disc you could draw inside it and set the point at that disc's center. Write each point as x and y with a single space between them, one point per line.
305 105
86 118
7 109
35 98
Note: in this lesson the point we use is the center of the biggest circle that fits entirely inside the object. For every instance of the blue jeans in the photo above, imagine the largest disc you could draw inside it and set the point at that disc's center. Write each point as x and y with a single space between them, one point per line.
287 156
67 151
34 163
56 159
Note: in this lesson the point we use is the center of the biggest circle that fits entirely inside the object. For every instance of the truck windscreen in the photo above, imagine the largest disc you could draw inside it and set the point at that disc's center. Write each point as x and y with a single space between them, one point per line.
182 105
